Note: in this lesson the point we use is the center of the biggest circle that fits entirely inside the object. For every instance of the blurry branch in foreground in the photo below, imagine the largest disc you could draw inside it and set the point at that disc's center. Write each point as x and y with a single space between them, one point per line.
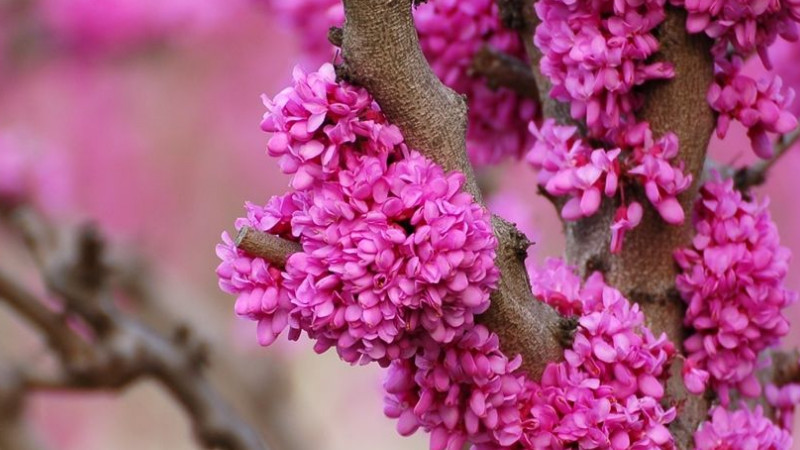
97 346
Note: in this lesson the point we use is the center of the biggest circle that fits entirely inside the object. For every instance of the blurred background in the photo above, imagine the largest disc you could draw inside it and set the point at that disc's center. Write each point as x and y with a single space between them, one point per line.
146 115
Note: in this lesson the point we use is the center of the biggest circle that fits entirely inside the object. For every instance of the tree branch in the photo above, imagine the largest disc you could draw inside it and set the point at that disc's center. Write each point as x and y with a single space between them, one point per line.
272 248
381 52
121 350
503 70
755 175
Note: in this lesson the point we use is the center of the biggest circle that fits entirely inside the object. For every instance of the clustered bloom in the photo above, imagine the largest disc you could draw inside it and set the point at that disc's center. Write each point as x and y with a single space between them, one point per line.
761 106
745 25
741 27
596 53
733 282
464 392
393 252
742 428
606 394
450 33
784 399
570 167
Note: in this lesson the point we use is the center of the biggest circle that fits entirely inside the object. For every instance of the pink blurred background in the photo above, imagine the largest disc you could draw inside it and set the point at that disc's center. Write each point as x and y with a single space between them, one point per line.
159 132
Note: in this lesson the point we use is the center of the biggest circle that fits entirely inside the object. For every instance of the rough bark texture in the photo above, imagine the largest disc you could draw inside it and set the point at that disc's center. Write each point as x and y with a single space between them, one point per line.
645 270
382 53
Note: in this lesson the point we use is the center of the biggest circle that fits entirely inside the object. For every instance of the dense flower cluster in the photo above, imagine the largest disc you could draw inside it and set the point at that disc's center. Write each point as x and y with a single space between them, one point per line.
570 167
393 251
733 282
462 392
745 25
605 395
596 53
318 123
740 28
761 106
450 34
743 428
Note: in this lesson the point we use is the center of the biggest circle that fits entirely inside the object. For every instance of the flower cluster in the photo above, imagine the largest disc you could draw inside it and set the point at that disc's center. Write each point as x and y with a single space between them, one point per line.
465 392
745 25
318 123
761 106
742 428
596 53
733 282
569 167
741 27
450 34
605 395
393 252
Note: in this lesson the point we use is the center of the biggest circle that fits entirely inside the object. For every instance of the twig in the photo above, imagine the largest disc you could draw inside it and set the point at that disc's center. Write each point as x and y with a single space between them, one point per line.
503 70
123 350
272 248
755 175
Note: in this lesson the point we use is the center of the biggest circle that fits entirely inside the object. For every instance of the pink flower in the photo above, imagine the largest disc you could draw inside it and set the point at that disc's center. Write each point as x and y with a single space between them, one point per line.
733 282
760 106
606 394
465 392
569 167
626 218
746 25
317 121
594 57
742 428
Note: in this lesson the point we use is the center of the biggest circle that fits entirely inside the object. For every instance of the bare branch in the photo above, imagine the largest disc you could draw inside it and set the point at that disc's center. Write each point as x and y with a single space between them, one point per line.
755 175
503 70
123 350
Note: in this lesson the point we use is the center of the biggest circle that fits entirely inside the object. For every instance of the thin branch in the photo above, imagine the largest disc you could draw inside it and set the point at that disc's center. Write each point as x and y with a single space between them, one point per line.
755 175
503 70
272 248
123 350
